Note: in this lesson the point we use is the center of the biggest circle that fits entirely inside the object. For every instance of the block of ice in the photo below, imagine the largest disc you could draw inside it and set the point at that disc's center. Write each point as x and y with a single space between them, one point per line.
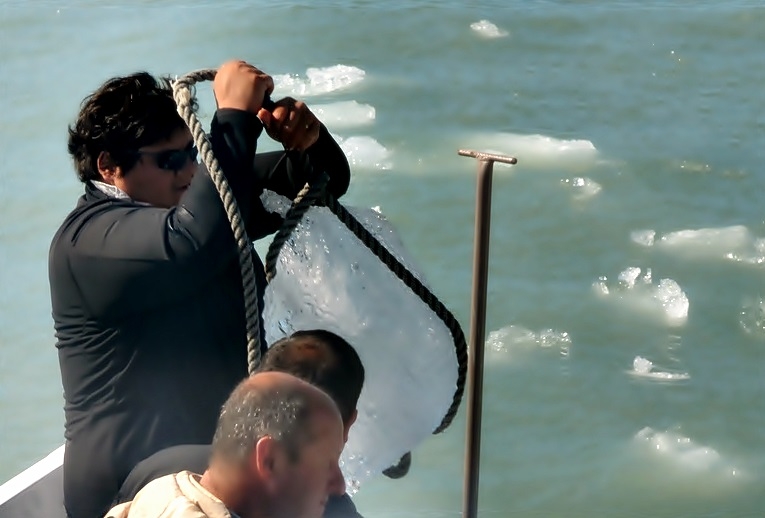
327 278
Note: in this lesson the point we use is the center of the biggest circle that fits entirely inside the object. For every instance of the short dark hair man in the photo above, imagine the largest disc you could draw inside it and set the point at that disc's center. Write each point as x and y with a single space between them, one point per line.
320 357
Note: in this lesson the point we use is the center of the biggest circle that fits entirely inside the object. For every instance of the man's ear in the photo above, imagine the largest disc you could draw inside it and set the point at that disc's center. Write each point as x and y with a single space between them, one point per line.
268 460
107 168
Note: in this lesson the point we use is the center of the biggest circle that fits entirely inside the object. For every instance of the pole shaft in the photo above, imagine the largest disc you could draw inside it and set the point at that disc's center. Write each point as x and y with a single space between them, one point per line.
477 337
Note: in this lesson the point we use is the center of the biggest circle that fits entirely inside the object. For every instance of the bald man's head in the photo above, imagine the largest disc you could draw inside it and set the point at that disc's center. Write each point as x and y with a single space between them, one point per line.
273 404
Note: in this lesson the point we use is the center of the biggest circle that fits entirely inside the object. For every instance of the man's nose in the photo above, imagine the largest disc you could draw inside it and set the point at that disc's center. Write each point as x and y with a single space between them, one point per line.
337 482
190 169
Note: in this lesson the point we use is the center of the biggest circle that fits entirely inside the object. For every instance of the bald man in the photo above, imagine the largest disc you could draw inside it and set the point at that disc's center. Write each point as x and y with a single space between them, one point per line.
275 454
317 356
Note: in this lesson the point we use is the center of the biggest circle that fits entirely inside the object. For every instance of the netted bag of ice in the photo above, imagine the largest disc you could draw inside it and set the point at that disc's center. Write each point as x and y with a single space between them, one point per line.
327 278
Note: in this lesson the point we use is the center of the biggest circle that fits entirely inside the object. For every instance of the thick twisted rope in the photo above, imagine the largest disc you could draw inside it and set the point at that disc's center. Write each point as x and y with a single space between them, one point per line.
303 202
182 93
308 196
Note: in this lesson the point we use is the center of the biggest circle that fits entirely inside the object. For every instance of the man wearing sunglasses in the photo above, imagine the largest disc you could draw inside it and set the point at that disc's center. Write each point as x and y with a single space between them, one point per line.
144 276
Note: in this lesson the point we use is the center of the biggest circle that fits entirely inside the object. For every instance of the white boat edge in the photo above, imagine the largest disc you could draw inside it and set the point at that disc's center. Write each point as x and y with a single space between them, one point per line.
36 491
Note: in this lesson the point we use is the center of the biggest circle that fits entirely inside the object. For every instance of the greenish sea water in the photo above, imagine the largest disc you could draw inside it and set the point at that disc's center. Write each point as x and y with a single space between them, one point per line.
638 126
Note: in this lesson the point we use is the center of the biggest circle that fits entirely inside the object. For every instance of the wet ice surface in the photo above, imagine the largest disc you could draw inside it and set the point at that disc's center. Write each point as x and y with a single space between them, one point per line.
672 450
487 29
636 290
344 114
318 80
752 317
364 152
643 367
514 341
582 188
734 243
537 151
326 278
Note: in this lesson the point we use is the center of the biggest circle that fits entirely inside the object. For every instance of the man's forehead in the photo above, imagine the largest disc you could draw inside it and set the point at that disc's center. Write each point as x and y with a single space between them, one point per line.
326 420
180 139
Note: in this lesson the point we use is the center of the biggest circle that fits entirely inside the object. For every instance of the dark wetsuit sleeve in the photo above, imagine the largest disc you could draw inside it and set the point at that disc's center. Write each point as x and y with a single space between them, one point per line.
234 134
136 258
287 172
289 175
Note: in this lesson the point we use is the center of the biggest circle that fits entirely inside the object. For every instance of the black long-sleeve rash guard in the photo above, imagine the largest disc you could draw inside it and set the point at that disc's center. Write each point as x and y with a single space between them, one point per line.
149 311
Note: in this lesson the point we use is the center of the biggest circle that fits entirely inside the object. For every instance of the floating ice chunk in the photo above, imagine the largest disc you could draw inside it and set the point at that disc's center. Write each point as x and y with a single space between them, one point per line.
630 276
683 453
319 80
582 188
504 342
365 152
535 151
754 255
673 299
643 237
641 365
644 368
326 278
637 291
735 243
344 114
600 287
487 29
752 317
707 241
503 339
552 338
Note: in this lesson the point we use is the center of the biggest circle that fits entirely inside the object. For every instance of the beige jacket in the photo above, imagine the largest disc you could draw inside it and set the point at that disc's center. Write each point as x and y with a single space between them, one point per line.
172 496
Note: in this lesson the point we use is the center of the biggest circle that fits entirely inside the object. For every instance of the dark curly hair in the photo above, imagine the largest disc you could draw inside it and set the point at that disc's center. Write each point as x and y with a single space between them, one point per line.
123 115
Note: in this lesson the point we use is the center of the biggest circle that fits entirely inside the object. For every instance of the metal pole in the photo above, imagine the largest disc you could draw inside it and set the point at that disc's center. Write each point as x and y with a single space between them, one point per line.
478 326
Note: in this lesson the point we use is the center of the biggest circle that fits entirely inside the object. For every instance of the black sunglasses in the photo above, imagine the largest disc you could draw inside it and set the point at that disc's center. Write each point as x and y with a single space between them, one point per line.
173 159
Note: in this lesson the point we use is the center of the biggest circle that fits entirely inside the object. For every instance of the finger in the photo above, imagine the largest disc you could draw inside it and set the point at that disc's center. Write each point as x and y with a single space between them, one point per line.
264 116
300 122
308 133
269 85
278 118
